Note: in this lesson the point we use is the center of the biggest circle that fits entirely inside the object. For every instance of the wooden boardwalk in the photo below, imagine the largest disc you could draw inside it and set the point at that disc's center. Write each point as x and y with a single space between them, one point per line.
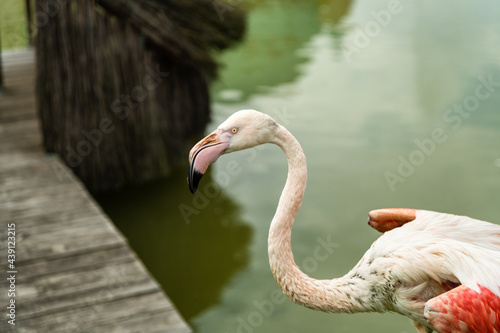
74 271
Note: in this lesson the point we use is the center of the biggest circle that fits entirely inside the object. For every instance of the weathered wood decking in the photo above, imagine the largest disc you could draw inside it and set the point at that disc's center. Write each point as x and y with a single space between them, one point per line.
75 271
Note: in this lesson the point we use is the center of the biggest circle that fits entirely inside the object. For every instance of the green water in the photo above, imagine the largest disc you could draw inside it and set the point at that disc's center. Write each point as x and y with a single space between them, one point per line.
403 119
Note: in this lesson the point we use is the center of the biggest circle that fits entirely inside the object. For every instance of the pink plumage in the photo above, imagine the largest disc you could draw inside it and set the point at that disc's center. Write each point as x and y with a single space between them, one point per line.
462 310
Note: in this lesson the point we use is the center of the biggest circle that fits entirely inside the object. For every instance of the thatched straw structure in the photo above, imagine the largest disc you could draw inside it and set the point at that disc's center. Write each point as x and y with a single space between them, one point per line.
122 85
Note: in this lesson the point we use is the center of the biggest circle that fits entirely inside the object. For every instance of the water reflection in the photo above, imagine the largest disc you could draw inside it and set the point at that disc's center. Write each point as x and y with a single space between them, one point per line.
333 11
193 256
269 57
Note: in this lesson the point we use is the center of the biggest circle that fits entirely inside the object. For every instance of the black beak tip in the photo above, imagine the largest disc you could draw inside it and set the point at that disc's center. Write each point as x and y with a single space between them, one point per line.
194 179
192 187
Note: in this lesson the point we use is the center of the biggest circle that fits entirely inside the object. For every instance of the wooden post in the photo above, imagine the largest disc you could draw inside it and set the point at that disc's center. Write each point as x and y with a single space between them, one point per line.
28 22
1 69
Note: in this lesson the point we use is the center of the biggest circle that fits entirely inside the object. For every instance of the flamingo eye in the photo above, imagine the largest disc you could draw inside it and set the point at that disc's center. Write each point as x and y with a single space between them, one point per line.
234 130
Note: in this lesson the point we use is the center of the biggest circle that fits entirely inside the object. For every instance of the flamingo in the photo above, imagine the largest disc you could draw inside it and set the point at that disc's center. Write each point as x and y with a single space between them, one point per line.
440 270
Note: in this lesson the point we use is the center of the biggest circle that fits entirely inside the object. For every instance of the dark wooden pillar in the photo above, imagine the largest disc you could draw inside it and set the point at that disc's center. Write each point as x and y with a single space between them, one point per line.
28 22
1 68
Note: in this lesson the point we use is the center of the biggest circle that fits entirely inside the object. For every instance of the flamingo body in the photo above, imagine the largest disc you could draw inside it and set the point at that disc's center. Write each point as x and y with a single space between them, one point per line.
455 260
441 270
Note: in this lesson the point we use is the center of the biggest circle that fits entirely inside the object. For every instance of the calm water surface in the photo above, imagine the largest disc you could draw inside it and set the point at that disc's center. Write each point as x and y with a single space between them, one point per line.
396 104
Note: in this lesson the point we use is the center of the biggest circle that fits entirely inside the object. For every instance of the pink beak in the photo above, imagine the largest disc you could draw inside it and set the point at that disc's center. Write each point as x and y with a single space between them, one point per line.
204 153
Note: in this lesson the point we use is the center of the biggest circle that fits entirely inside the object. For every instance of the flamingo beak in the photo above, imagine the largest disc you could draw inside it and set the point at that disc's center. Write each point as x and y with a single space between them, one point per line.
204 153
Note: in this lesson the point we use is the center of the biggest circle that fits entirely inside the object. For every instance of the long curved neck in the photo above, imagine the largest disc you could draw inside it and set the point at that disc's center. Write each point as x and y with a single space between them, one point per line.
338 295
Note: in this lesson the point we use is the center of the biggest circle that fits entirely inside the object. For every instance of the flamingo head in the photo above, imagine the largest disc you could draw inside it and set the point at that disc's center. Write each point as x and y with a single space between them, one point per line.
242 130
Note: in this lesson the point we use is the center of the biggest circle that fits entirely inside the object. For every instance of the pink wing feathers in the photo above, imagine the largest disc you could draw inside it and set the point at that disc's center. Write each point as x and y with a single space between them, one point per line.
462 310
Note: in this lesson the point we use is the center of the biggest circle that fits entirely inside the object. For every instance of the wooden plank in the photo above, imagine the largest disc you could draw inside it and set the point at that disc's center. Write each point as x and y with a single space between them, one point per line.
19 86
20 196
73 290
20 67
63 242
89 319
19 190
14 57
27 234
51 203
44 178
15 129
12 162
46 222
46 174
151 323
12 105
76 271
38 207
16 88
20 75
7 120
29 144
77 263
22 82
